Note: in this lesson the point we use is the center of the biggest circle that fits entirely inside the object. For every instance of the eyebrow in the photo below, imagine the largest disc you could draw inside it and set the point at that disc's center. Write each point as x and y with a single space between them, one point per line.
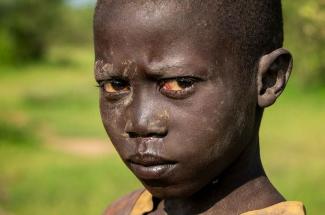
155 72
177 70
160 72
103 71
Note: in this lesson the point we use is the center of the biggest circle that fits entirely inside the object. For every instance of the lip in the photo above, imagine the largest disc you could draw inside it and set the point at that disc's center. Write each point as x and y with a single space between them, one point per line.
149 166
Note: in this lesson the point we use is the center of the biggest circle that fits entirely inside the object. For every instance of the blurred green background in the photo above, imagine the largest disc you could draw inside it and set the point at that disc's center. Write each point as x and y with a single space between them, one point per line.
55 157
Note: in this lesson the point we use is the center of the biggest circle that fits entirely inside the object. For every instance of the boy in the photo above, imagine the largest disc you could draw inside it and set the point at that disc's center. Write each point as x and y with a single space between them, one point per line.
183 85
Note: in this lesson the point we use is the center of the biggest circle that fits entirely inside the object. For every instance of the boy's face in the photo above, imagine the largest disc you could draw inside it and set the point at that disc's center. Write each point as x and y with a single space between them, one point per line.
177 106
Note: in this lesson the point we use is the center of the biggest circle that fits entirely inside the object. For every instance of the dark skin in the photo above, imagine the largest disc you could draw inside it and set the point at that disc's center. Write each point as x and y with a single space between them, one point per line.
180 111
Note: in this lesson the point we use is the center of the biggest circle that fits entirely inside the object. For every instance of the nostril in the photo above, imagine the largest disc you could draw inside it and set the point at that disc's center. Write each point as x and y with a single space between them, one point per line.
157 135
133 135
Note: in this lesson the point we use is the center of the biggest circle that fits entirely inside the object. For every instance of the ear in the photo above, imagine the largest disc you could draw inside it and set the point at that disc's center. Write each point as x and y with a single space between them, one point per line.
272 76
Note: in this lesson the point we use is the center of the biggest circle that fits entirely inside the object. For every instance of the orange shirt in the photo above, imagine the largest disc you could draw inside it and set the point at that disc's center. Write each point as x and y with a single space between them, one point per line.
140 202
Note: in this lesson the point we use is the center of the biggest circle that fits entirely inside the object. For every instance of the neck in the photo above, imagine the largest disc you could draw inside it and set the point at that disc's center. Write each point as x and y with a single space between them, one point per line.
241 188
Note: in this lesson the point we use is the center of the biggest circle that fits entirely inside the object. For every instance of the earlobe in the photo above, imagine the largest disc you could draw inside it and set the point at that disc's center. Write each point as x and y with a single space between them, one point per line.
272 76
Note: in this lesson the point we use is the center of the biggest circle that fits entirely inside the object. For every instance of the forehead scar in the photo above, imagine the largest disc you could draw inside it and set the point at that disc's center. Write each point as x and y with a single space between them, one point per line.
164 115
98 69
130 68
98 65
103 70
108 68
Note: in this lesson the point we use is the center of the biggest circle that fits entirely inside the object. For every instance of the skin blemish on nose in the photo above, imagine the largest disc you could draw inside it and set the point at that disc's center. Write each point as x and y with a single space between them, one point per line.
164 115
159 123
156 125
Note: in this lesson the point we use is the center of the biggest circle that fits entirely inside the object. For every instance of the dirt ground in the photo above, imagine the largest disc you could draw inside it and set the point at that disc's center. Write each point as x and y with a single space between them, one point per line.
82 146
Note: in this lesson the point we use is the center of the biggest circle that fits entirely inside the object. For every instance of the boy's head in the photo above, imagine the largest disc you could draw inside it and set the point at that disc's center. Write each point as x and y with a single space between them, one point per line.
184 82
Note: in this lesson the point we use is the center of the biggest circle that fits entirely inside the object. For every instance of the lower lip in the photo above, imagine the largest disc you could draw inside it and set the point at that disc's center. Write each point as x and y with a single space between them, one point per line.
152 172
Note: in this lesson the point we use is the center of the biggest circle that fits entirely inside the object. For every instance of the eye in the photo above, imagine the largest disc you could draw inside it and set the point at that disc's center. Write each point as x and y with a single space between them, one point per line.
177 84
178 88
115 86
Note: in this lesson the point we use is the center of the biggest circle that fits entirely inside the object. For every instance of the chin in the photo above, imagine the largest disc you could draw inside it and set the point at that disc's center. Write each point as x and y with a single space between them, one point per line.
172 191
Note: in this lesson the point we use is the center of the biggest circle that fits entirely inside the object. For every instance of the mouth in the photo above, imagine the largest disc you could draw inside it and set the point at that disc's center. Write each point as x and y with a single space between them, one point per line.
149 166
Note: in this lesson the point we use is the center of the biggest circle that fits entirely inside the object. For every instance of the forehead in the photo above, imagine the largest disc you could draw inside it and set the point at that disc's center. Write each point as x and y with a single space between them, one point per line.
150 13
155 26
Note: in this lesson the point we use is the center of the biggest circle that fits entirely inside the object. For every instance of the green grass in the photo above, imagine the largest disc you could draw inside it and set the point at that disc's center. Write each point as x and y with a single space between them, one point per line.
293 146
58 98
38 181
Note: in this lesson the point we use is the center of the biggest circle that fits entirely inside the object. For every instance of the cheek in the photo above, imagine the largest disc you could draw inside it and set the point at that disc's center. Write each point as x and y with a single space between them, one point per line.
114 123
203 128
202 143
208 135
200 152
110 114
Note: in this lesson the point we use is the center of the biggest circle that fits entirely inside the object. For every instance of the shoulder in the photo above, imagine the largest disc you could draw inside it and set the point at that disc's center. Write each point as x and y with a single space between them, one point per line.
282 208
125 204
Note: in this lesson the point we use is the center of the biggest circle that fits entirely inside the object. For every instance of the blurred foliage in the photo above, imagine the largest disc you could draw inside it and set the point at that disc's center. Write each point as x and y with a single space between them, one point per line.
77 27
305 37
28 28
16 134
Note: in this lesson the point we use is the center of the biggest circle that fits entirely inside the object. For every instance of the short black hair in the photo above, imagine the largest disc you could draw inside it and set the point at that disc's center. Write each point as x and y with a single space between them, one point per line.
254 27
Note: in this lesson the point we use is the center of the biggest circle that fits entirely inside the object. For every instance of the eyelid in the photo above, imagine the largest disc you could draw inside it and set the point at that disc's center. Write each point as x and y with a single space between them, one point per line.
112 78
192 78
184 70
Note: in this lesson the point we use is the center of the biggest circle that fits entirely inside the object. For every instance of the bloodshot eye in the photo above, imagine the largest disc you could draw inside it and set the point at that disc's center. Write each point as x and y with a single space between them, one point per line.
177 87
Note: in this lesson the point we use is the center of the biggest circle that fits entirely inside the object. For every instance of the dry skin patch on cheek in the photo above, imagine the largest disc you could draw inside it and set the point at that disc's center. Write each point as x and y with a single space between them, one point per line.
114 118
119 118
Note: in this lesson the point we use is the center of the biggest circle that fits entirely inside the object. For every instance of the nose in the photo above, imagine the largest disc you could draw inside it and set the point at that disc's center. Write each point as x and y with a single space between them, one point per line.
146 116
